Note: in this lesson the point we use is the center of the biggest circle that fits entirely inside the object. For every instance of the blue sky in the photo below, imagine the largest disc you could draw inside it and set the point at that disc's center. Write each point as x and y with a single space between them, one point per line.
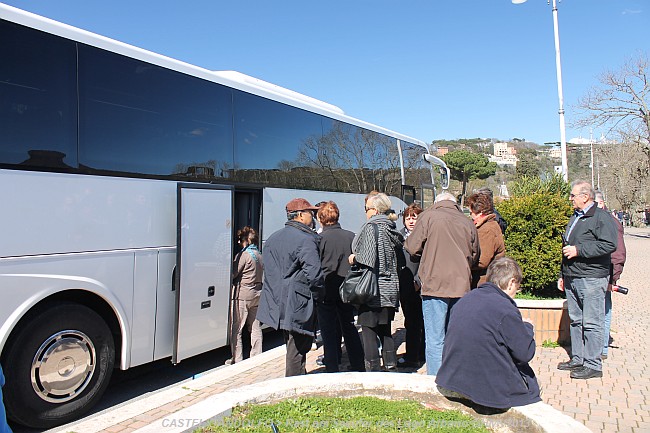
426 68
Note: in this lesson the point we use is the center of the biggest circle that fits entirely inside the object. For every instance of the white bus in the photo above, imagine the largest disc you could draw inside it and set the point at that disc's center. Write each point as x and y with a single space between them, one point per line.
124 176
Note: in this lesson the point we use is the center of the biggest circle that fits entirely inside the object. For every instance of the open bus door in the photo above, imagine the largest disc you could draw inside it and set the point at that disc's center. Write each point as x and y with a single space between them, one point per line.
203 265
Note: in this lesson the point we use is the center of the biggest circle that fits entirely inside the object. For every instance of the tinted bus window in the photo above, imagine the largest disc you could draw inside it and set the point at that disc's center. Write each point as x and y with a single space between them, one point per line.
270 138
38 109
416 170
358 159
140 118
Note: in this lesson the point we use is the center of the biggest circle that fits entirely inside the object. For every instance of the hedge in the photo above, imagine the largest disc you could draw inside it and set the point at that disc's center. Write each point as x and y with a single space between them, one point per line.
533 238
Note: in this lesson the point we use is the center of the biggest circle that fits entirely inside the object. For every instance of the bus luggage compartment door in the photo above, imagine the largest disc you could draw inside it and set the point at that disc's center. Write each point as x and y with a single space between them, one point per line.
203 262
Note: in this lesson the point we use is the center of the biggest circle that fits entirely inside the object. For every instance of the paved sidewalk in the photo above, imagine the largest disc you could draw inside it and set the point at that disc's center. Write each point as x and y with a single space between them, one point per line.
619 402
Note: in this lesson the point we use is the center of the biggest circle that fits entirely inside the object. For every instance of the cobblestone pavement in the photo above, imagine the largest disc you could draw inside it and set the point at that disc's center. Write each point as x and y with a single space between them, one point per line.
617 402
620 400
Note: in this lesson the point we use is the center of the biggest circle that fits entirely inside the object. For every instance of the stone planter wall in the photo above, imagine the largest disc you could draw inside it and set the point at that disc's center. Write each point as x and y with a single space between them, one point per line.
533 418
550 319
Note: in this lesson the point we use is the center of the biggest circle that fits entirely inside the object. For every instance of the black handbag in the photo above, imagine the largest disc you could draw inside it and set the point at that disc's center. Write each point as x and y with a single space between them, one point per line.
360 285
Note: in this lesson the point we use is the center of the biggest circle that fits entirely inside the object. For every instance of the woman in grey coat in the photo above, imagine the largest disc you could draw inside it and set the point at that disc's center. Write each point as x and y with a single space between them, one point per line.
385 254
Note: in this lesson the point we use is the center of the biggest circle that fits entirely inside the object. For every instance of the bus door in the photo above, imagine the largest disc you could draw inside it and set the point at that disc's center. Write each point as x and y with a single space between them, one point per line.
203 263
427 195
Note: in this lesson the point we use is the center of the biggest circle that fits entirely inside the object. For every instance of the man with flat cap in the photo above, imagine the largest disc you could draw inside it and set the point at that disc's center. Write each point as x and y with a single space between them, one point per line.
293 281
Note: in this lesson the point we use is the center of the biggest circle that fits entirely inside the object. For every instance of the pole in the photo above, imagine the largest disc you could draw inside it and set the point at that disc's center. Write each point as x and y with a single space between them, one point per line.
558 67
591 146
598 164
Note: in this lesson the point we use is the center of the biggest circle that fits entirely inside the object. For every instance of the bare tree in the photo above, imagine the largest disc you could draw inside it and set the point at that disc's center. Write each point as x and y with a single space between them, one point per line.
356 160
620 101
626 173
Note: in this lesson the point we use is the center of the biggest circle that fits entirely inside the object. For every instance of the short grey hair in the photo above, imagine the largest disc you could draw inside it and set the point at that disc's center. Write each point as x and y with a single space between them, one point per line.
502 270
445 196
584 187
599 196
382 203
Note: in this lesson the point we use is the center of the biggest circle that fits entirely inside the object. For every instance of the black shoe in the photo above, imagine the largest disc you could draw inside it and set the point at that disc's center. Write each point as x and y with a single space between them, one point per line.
374 365
586 373
390 360
569 365
360 368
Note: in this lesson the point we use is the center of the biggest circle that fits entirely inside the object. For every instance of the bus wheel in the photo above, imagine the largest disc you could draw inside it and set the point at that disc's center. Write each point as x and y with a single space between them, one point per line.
57 366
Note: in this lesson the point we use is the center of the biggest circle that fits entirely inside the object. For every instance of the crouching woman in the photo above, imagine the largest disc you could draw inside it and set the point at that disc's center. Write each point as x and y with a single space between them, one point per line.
488 344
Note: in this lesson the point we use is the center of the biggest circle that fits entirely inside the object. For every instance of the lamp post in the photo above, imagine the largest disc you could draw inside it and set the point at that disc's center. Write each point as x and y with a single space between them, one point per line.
591 149
558 67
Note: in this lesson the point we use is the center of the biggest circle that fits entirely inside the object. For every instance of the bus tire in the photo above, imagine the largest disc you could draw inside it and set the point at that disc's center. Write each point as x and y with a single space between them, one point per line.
57 366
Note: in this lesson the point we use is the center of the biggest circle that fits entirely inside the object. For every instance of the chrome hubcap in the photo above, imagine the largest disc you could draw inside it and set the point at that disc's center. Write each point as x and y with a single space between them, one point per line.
63 366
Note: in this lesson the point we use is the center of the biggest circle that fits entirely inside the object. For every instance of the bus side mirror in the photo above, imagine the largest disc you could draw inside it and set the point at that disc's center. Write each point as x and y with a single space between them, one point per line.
443 170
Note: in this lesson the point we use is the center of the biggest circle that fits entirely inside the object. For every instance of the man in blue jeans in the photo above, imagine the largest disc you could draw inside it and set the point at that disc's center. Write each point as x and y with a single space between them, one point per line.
589 240
447 242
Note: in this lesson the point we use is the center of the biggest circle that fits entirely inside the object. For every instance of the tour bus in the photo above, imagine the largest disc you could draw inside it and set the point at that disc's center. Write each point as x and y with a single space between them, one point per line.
125 175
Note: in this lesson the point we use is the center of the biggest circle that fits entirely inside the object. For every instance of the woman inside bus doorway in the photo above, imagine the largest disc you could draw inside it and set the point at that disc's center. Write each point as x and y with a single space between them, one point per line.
248 270
384 253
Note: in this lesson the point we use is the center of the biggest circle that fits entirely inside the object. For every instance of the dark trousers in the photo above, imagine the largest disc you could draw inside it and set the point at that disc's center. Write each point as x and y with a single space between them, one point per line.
370 343
336 319
298 345
411 304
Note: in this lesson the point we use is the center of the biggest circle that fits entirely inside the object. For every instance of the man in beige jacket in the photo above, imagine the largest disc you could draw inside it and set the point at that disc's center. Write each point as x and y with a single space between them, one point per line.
447 242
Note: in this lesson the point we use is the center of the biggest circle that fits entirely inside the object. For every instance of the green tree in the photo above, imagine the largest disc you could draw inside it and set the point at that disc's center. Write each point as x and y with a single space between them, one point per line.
465 165
527 163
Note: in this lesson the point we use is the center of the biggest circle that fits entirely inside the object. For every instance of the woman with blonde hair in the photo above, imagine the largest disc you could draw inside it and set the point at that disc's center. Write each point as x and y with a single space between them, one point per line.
379 245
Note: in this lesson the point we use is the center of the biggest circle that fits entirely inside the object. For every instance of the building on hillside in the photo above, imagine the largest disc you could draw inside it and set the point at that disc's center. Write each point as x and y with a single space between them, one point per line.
442 151
504 154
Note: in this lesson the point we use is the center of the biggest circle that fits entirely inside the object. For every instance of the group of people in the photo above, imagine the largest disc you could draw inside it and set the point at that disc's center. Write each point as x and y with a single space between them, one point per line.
476 342
450 276
304 271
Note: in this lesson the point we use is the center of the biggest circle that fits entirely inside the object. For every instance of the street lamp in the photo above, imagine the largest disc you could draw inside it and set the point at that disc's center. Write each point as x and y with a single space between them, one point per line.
558 67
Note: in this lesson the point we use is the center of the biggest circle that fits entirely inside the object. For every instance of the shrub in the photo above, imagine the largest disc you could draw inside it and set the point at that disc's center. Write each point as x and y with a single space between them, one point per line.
536 222
553 184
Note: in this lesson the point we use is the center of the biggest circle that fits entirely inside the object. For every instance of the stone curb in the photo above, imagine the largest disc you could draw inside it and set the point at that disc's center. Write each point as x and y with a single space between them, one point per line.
217 406
117 414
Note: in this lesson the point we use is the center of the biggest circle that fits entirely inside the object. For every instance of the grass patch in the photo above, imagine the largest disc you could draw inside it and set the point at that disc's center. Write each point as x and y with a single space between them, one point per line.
550 343
340 415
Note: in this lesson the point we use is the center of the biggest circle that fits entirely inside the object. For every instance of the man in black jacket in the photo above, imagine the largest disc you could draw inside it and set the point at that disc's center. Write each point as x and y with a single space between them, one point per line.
589 241
293 281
